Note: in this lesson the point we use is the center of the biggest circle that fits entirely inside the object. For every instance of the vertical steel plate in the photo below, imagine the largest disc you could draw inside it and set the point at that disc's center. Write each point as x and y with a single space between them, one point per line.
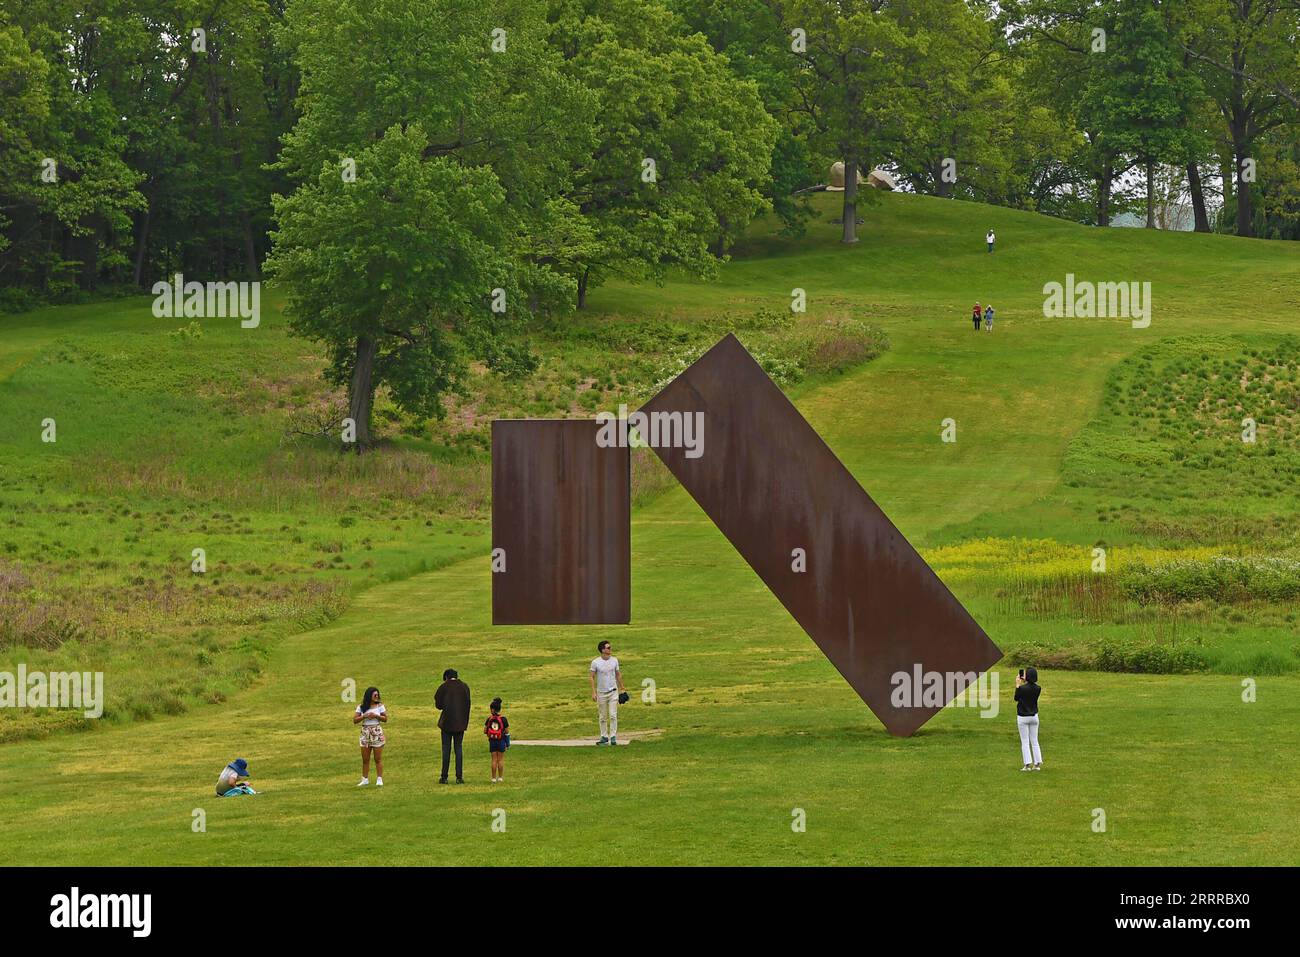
561 510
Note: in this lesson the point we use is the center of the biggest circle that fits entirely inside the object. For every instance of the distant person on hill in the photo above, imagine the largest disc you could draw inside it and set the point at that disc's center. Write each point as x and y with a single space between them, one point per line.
1027 692
497 729
988 318
229 781
452 699
607 691
976 315
370 714
990 239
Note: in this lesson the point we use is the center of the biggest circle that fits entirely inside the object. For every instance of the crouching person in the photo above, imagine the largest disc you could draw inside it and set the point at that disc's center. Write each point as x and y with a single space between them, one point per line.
233 780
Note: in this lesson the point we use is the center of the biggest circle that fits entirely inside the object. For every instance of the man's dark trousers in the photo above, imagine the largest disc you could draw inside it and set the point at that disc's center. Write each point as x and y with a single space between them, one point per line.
448 739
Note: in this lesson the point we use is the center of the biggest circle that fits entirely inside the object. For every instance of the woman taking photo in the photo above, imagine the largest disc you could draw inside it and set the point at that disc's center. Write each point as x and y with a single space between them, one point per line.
1027 692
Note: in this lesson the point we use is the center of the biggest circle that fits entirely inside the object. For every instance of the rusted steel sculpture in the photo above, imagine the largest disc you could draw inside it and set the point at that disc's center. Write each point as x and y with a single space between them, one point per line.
561 518
795 514
770 483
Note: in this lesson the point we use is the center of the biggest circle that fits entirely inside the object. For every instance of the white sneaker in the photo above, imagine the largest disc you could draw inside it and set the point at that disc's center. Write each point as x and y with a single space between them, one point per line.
1038 767
364 782
1027 768
379 782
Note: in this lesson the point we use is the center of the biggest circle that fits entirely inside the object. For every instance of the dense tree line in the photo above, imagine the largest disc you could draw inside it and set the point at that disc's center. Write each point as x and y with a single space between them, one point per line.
424 176
134 140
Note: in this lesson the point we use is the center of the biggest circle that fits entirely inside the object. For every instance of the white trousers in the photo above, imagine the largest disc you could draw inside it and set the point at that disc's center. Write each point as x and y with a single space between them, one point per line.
1029 739
607 708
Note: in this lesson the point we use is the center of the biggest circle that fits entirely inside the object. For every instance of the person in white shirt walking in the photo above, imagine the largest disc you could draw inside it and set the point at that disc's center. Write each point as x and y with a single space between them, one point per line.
990 239
606 686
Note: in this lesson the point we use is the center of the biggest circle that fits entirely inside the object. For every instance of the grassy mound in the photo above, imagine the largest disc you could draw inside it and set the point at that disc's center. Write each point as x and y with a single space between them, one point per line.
1201 437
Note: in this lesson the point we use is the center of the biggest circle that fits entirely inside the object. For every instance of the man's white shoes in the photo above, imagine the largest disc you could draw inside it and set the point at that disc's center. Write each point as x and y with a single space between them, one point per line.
364 782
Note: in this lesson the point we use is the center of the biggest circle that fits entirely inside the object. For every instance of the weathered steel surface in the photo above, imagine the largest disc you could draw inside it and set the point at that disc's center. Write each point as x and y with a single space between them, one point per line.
561 509
770 483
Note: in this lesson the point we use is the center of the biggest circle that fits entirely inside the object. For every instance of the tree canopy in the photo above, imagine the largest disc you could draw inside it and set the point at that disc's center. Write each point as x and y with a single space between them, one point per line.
426 179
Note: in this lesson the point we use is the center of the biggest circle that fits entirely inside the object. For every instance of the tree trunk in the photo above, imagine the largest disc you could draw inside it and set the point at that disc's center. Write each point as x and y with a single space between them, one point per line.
250 247
1104 184
1198 197
361 391
214 117
1245 212
142 244
87 247
850 234
582 287
942 188
1151 195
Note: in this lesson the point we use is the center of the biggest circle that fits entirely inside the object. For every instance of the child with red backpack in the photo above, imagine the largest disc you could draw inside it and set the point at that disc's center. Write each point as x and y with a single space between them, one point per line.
497 729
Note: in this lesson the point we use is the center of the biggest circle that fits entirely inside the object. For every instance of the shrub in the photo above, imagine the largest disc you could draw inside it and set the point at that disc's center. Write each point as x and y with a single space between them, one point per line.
1151 660
1222 579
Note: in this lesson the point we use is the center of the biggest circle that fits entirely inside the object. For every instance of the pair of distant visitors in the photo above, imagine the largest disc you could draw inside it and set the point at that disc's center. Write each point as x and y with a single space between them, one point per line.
986 315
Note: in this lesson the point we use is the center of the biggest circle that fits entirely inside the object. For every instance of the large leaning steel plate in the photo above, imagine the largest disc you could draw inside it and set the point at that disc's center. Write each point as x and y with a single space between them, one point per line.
769 482
561 513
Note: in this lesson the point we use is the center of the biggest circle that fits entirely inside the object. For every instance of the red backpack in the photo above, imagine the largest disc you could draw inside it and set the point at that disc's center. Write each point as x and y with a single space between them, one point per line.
496 727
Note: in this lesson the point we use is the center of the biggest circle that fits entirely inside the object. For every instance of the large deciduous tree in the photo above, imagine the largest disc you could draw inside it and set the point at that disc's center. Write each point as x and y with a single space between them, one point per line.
1146 95
463 130
851 71
683 145
1245 53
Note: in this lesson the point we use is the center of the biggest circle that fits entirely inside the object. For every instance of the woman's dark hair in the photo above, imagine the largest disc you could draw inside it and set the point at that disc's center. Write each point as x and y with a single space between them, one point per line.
1031 675
601 647
495 706
449 674
368 697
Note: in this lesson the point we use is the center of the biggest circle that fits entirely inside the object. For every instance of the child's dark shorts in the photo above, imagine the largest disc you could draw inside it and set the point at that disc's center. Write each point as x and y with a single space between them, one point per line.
496 745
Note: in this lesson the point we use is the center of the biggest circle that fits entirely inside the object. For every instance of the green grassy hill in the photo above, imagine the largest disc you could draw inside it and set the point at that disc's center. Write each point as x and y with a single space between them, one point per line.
1072 434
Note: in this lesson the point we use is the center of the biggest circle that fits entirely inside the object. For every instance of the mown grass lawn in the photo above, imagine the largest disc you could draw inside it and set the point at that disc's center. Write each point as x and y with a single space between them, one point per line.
756 722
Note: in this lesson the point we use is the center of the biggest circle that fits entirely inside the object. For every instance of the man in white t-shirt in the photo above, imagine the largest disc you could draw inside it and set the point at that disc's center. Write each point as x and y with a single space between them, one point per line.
606 685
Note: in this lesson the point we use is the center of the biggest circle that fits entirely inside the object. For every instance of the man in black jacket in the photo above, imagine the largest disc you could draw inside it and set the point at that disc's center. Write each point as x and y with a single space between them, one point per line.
452 699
